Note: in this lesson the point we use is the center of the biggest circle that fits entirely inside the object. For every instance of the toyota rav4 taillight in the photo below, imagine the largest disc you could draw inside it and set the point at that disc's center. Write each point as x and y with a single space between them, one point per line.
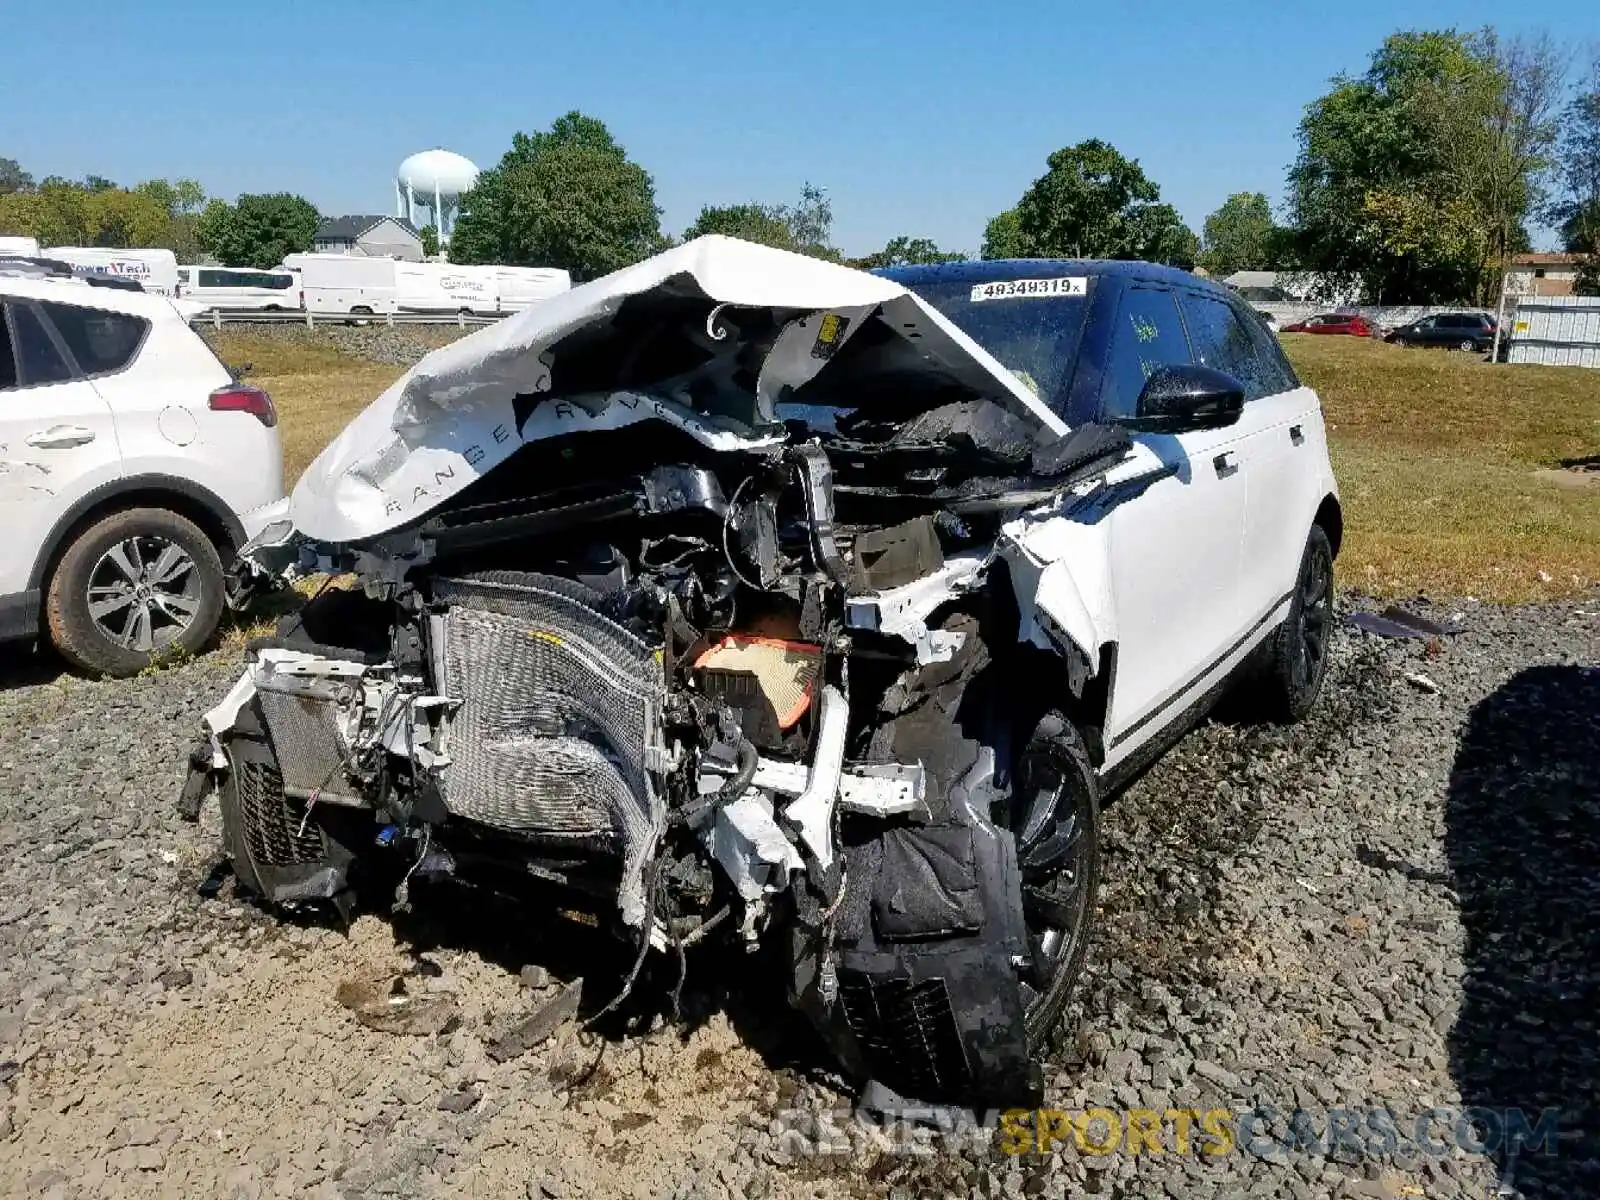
241 397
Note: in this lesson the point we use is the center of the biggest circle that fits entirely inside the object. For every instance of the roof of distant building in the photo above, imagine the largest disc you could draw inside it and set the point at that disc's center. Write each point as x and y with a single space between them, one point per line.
353 227
1546 259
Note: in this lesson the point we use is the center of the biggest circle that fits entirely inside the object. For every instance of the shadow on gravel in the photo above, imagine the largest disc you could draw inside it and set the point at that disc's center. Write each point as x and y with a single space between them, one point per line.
515 931
1523 838
22 665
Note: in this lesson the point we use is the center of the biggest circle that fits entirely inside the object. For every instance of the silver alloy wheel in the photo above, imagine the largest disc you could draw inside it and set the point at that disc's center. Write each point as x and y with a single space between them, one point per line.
144 592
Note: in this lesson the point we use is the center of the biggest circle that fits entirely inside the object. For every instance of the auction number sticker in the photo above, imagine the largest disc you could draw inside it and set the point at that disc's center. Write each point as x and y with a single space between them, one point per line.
1030 289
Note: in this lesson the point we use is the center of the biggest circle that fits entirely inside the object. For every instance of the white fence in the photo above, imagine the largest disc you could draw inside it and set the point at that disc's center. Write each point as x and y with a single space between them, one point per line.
218 318
1557 331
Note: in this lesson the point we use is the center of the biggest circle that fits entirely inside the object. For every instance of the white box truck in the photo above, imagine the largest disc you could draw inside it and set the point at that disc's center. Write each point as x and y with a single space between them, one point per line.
446 288
345 284
154 270
518 287
19 247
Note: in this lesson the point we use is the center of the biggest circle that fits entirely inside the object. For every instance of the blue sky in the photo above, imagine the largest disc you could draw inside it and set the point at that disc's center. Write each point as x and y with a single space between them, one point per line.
920 118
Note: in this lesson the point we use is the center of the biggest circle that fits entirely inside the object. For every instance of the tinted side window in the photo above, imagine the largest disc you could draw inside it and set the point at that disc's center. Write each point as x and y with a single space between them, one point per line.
1236 343
38 360
8 362
1276 373
1223 342
215 279
101 341
1148 334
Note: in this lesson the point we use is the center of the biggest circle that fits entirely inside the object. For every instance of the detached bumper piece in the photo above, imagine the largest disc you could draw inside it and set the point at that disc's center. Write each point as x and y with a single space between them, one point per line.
928 999
279 848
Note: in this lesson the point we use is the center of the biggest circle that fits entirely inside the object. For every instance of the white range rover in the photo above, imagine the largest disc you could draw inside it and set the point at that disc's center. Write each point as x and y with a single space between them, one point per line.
132 466
746 595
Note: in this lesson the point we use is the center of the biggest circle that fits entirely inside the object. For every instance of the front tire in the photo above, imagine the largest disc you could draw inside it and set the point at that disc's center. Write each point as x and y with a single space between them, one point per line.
133 587
1054 815
1298 659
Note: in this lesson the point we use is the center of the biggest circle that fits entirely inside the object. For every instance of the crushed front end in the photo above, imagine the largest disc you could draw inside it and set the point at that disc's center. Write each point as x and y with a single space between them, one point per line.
729 660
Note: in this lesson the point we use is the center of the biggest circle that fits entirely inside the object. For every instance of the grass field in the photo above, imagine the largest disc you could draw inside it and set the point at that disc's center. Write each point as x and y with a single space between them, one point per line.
1438 457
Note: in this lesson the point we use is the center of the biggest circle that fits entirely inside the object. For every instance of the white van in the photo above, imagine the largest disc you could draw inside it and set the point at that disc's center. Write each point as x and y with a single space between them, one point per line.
518 287
239 289
345 284
19 247
445 288
154 270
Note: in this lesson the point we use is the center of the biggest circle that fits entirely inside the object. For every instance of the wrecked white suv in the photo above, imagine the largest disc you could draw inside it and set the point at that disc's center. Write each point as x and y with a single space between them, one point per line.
747 595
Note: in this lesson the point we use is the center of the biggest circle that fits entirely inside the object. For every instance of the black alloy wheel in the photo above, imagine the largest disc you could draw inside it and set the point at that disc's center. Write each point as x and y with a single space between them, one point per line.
1054 814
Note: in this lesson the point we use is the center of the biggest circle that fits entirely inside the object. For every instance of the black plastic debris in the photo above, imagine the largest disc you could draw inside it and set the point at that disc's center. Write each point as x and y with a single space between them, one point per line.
541 1024
1396 622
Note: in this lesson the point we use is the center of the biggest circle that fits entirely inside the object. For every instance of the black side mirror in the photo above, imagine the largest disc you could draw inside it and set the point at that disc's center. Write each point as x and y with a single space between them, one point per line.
1180 399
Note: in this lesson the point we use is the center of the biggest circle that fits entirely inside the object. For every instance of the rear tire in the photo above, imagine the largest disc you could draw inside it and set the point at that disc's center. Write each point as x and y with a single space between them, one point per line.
1469 346
1297 660
134 587
1054 815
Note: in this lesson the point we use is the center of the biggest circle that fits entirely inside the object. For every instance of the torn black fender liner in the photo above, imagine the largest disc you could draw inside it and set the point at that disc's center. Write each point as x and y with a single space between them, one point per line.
278 848
928 998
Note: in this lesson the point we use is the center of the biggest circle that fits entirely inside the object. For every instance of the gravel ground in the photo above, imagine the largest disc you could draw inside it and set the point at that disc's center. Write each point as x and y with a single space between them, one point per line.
1394 905
398 346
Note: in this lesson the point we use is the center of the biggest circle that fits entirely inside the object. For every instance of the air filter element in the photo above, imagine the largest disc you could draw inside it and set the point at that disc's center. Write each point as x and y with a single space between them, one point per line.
784 673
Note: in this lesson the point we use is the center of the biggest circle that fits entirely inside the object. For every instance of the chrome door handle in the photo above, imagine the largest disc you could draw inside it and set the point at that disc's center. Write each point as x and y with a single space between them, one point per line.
61 437
1226 463
1297 435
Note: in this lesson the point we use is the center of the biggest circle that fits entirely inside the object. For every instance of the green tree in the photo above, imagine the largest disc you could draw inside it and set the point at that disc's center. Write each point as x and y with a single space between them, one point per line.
1417 176
569 197
1002 237
806 227
908 251
57 214
430 240
1093 202
1576 209
811 223
763 223
182 201
13 178
1239 236
258 230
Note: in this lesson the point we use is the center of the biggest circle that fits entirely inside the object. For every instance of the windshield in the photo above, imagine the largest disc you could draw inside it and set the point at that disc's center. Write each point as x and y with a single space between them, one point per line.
1031 326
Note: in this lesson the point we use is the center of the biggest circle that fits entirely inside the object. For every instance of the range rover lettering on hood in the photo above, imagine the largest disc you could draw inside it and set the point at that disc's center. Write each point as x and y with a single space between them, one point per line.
711 337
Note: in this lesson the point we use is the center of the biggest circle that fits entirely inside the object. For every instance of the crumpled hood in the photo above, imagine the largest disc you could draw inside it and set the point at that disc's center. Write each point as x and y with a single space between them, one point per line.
463 410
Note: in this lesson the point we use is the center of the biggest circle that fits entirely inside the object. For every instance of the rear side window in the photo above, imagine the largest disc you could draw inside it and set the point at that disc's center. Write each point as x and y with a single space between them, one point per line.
1223 341
1277 374
101 341
1148 334
38 360
8 361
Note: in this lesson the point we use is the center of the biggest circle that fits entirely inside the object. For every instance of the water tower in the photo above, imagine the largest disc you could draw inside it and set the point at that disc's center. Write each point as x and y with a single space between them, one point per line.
434 179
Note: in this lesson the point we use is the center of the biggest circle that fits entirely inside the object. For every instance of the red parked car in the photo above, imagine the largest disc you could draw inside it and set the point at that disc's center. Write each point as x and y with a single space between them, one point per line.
1350 323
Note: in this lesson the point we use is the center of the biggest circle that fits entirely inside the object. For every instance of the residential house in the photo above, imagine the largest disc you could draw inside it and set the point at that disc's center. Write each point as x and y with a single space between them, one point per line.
373 236
1543 274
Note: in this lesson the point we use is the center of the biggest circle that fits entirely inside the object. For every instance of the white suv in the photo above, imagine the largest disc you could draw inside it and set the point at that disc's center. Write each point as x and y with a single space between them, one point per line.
742 593
130 462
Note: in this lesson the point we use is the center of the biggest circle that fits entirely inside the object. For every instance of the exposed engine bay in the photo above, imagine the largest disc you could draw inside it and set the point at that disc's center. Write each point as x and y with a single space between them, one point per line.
732 652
